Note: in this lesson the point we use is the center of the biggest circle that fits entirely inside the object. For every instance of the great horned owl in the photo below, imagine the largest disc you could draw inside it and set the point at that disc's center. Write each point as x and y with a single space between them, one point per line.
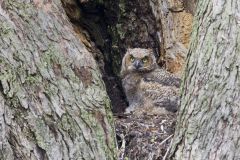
145 84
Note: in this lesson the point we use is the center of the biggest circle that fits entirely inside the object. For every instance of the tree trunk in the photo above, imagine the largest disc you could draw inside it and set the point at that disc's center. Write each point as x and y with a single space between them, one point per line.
209 118
53 102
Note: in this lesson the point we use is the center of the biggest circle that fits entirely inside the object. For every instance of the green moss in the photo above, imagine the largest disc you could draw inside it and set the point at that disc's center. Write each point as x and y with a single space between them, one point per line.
5 29
25 10
120 31
122 6
65 123
69 124
51 55
50 89
8 79
40 134
33 79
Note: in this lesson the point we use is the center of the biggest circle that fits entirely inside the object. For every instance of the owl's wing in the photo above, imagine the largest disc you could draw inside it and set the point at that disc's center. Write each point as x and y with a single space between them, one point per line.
163 77
162 89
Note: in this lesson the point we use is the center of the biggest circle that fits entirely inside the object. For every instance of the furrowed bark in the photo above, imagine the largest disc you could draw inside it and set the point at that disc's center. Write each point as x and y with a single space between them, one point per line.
53 102
209 118
174 25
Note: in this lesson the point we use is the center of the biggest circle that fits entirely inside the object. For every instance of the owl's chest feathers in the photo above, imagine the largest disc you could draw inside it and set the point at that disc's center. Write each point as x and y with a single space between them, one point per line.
131 85
131 82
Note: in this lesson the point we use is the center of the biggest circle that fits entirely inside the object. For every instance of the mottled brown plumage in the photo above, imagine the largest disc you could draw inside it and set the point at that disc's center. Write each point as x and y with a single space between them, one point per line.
146 85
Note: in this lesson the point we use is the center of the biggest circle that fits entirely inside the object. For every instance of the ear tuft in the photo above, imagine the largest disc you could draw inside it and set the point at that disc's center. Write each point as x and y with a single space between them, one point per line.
123 68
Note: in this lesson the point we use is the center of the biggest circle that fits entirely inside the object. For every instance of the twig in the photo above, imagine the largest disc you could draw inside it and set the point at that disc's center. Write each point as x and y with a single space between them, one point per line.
165 156
122 148
166 139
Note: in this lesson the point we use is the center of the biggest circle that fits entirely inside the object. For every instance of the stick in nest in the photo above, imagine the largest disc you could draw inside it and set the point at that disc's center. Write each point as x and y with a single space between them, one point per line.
165 156
122 148
166 139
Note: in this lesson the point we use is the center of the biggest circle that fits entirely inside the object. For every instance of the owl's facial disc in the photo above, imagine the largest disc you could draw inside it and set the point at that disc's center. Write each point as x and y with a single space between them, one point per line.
137 64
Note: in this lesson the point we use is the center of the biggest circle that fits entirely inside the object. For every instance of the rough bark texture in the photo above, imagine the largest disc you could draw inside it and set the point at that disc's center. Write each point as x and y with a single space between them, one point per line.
53 102
209 118
174 25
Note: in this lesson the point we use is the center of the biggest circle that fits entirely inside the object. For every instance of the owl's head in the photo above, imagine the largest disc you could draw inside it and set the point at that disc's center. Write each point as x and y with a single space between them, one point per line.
138 60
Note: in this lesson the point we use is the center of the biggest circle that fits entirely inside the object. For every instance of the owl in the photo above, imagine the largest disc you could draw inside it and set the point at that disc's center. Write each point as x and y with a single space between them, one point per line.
146 85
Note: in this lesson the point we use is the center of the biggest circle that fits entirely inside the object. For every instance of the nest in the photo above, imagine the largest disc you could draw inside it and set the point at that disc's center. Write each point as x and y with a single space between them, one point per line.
145 136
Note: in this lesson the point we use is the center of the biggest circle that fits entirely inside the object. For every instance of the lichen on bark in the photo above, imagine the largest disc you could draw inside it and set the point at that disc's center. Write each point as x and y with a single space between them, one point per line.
51 88
208 121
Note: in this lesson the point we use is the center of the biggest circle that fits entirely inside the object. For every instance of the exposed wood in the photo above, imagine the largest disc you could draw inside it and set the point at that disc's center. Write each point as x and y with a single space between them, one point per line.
174 28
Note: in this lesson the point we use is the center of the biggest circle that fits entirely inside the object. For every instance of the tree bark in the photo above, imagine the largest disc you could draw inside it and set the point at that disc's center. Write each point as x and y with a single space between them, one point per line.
174 25
209 118
53 102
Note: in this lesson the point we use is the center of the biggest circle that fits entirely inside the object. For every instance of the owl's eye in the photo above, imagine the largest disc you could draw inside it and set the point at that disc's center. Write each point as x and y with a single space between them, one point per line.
145 60
132 59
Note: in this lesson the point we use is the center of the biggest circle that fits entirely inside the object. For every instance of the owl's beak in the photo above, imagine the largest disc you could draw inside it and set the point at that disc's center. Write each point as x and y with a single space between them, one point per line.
137 64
